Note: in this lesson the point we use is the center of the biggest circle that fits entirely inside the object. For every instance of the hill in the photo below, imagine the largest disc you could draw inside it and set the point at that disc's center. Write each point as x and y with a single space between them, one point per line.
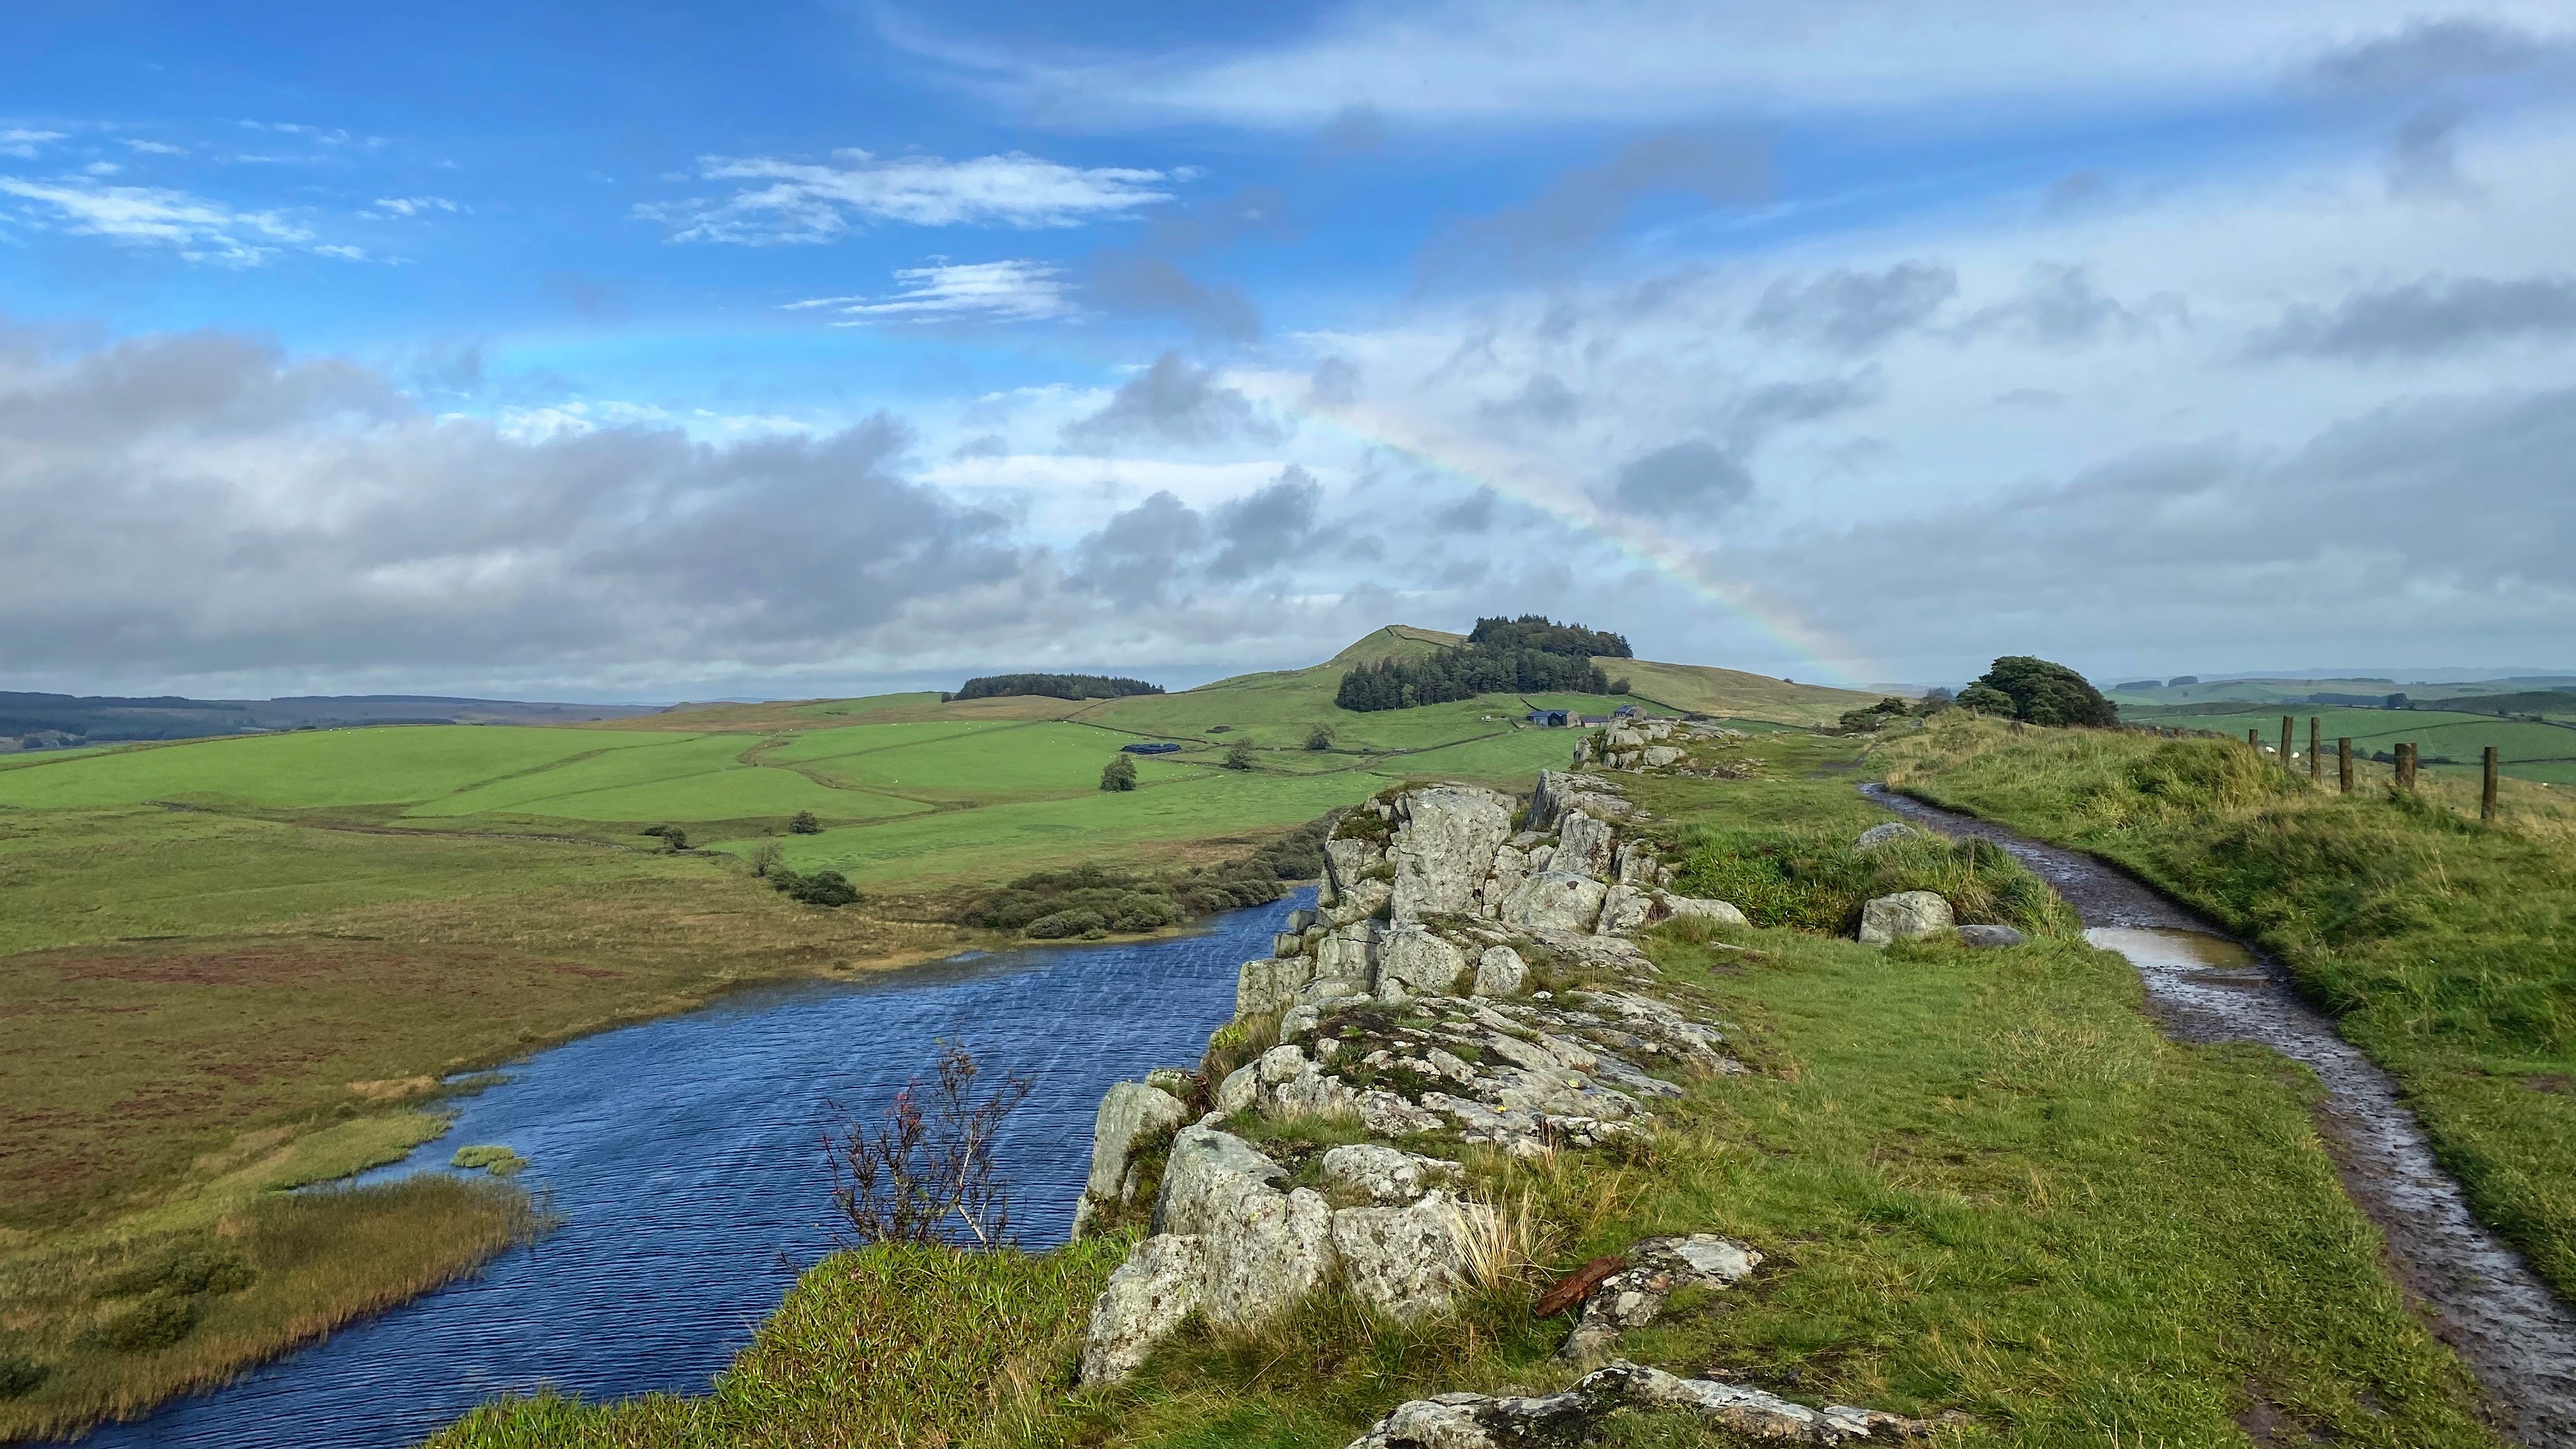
39 721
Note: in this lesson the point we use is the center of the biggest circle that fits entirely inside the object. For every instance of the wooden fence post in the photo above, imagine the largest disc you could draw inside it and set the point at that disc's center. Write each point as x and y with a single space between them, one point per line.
2316 750
2487 794
2285 742
2405 767
2343 763
2254 740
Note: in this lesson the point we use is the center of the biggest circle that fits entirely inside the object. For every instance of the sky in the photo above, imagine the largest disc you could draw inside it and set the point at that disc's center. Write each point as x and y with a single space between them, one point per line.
654 351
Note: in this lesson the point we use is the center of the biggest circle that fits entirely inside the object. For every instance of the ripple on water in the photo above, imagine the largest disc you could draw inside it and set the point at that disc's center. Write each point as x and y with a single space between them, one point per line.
684 1157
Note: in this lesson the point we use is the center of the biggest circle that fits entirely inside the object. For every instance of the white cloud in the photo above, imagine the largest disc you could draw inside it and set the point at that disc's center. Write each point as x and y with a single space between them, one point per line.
805 202
23 143
1019 291
157 148
410 206
198 229
1526 62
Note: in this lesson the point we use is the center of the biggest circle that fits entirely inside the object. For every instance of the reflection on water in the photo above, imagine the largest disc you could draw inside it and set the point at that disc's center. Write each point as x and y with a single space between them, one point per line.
684 1157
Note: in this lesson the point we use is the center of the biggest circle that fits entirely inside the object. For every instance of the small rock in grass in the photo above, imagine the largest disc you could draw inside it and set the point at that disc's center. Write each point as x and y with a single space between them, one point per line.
1878 835
1990 936
1905 916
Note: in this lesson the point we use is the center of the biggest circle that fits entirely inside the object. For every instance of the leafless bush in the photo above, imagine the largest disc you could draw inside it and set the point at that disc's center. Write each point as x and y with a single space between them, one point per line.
930 1158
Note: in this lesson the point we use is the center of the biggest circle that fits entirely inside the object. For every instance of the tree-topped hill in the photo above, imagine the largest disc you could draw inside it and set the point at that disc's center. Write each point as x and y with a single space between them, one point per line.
1533 631
1528 655
1055 686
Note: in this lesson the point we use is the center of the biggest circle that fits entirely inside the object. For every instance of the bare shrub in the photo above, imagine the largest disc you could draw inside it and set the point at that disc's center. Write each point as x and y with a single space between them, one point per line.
930 1158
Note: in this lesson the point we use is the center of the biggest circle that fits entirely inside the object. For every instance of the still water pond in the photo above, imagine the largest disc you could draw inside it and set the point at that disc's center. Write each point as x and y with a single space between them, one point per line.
684 1158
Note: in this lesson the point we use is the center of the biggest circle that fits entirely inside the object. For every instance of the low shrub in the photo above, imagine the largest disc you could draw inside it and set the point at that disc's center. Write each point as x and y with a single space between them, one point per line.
804 823
1056 905
151 1323
497 1160
19 1375
815 888
195 1270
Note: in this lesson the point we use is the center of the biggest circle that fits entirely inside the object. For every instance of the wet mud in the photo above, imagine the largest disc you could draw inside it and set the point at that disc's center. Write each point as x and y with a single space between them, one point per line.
2480 1296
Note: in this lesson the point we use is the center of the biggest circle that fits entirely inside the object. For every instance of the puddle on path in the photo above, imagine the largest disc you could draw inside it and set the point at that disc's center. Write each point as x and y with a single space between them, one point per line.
2484 1300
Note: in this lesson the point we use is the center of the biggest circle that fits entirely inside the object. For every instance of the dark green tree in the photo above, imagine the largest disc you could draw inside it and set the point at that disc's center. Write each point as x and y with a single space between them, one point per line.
1238 756
2042 693
1118 774
1320 737
674 838
804 824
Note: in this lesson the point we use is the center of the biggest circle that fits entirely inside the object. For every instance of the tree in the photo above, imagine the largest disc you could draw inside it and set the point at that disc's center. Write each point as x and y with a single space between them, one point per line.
674 839
1118 774
1984 698
1865 721
1619 685
2044 693
1320 737
1238 756
930 1159
804 823
766 858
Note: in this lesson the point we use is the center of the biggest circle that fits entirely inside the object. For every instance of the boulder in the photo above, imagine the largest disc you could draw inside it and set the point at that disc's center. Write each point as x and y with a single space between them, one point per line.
1559 791
1500 972
1413 962
1621 737
1624 911
1635 863
1404 1261
1345 861
1878 835
1583 844
1387 1176
1561 900
1361 900
1722 912
1149 1295
1239 1092
1263 1249
1511 865
1444 847
1904 916
1267 984
1989 937
1128 1111
1298 1022
1655 757
1349 954
1288 1085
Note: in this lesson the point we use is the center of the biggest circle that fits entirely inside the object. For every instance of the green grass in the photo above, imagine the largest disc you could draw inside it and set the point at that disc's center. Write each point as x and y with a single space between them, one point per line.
2446 948
308 769
2525 750
1983 1182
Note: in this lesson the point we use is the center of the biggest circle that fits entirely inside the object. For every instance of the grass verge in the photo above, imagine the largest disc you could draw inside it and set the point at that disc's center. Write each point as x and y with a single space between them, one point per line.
2445 947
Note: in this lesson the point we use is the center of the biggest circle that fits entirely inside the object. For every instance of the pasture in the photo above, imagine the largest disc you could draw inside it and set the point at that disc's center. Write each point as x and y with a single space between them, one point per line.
2528 750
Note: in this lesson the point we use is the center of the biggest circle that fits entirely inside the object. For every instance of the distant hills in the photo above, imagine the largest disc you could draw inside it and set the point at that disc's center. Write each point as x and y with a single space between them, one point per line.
57 721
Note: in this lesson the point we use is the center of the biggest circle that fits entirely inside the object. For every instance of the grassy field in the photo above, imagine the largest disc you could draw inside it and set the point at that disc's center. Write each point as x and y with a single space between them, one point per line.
2446 948
1984 1183
2526 750
222 958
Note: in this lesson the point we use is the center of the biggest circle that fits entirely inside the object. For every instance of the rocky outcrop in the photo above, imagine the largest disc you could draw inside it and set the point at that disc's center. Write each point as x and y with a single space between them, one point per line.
1405 1261
1444 848
1262 1246
1555 900
1578 1415
1129 1111
1905 916
1635 1296
1721 912
1414 962
1386 1176
1150 1294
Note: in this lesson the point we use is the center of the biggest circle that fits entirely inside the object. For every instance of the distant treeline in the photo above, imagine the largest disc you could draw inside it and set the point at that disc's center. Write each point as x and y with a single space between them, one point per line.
1533 631
1054 686
1528 655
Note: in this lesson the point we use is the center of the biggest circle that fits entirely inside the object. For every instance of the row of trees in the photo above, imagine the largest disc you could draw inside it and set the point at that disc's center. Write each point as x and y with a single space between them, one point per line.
1536 631
1053 686
1453 674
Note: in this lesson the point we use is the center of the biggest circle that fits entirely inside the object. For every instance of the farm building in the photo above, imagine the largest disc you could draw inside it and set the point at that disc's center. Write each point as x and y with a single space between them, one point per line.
1554 719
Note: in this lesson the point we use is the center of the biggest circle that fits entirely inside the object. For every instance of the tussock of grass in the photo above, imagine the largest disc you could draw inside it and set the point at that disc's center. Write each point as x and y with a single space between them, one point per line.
118 1326
2447 947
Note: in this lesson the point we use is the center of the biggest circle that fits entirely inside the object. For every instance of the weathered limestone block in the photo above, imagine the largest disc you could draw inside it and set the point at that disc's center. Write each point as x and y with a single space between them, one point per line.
1500 972
1361 900
1556 899
1635 863
1239 1092
1267 984
1580 1414
1292 1086
1904 916
1349 954
1345 861
1149 1295
1633 1297
1621 737
1584 844
1128 1111
1388 1176
1413 962
1722 912
1404 1261
1655 757
1263 1249
1878 835
1624 910
1511 866
1444 847
1990 937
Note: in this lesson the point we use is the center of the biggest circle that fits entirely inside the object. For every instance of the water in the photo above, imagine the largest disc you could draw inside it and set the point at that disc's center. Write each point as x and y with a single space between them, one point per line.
684 1157
2484 1300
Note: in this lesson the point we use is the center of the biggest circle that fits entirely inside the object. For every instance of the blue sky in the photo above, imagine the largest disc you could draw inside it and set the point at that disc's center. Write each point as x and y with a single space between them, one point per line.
648 350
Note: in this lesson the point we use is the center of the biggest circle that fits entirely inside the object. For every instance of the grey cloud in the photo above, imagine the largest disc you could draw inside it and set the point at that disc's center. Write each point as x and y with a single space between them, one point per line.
1693 479
1133 282
2428 316
1544 401
1854 311
197 504
986 445
2060 307
2430 53
1564 223
1137 557
2424 156
1472 514
1173 402
2352 536
2076 192
1354 130
1335 383
1269 528
1252 211
1762 411
2038 398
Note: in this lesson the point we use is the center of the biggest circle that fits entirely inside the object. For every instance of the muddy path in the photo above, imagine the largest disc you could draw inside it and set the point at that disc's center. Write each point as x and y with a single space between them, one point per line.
2481 1297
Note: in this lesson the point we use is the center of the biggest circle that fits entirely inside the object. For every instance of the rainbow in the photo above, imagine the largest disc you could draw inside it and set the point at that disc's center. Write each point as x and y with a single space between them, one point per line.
1834 660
